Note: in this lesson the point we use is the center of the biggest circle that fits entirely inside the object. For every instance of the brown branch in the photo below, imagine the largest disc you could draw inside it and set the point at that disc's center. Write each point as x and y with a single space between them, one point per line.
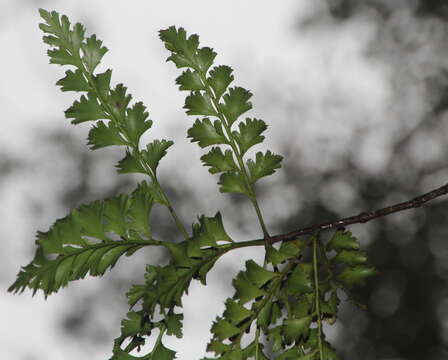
363 217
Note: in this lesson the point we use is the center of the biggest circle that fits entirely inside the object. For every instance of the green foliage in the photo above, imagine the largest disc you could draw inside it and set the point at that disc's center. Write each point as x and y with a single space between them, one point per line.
355 271
207 89
165 285
282 302
89 240
121 124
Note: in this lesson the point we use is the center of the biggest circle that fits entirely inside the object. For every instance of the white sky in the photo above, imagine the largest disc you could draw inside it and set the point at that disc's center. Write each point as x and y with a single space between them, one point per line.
324 73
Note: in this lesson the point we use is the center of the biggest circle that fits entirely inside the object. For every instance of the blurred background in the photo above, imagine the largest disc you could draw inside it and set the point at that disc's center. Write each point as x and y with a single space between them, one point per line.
355 93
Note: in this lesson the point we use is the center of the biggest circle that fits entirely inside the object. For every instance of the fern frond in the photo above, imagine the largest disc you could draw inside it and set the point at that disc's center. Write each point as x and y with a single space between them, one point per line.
89 240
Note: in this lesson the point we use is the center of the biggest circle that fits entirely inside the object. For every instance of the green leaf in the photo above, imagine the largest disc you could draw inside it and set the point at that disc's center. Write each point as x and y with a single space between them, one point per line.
179 255
156 193
293 248
183 48
235 312
236 103
185 52
102 135
174 325
352 258
328 352
274 256
131 326
204 269
140 209
198 103
102 82
211 230
220 78
59 28
295 329
154 152
194 248
234 354
275 336
136 122
217 347
171 282
245 289
208 232
176 40
162 353
130 164
233 182
206 133
86 109
223 329
343 240
330 307
264 165
61 56
357 275
312 341
90 218
287 251
269 314
52 40
115 212
76 37
80 243
303 305
299 281
254 351
135 294
54 25
204 58
166 285
118 101
190 81
219 161
258 275
73 81
93 52
249 134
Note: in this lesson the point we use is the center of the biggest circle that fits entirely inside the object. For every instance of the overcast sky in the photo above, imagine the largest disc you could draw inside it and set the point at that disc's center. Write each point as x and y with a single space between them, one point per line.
287 52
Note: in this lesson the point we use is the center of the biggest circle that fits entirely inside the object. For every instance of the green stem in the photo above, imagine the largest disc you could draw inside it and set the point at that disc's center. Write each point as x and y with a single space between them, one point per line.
106 107
170 207
266 299
159 338
241 244
257 343
237 153
317 297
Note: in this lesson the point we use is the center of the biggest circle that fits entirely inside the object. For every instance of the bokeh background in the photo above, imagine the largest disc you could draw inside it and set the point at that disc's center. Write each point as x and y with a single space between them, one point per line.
355 93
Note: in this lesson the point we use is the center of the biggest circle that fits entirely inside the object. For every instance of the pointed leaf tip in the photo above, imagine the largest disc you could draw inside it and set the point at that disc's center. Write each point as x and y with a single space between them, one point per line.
236 103
155 151
102 135
206 133
93 52
264 165
219 161
85 109
198 103
249 134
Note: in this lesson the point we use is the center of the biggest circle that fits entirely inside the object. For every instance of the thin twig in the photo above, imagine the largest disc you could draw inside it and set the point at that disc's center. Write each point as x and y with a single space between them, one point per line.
317 297
362 217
